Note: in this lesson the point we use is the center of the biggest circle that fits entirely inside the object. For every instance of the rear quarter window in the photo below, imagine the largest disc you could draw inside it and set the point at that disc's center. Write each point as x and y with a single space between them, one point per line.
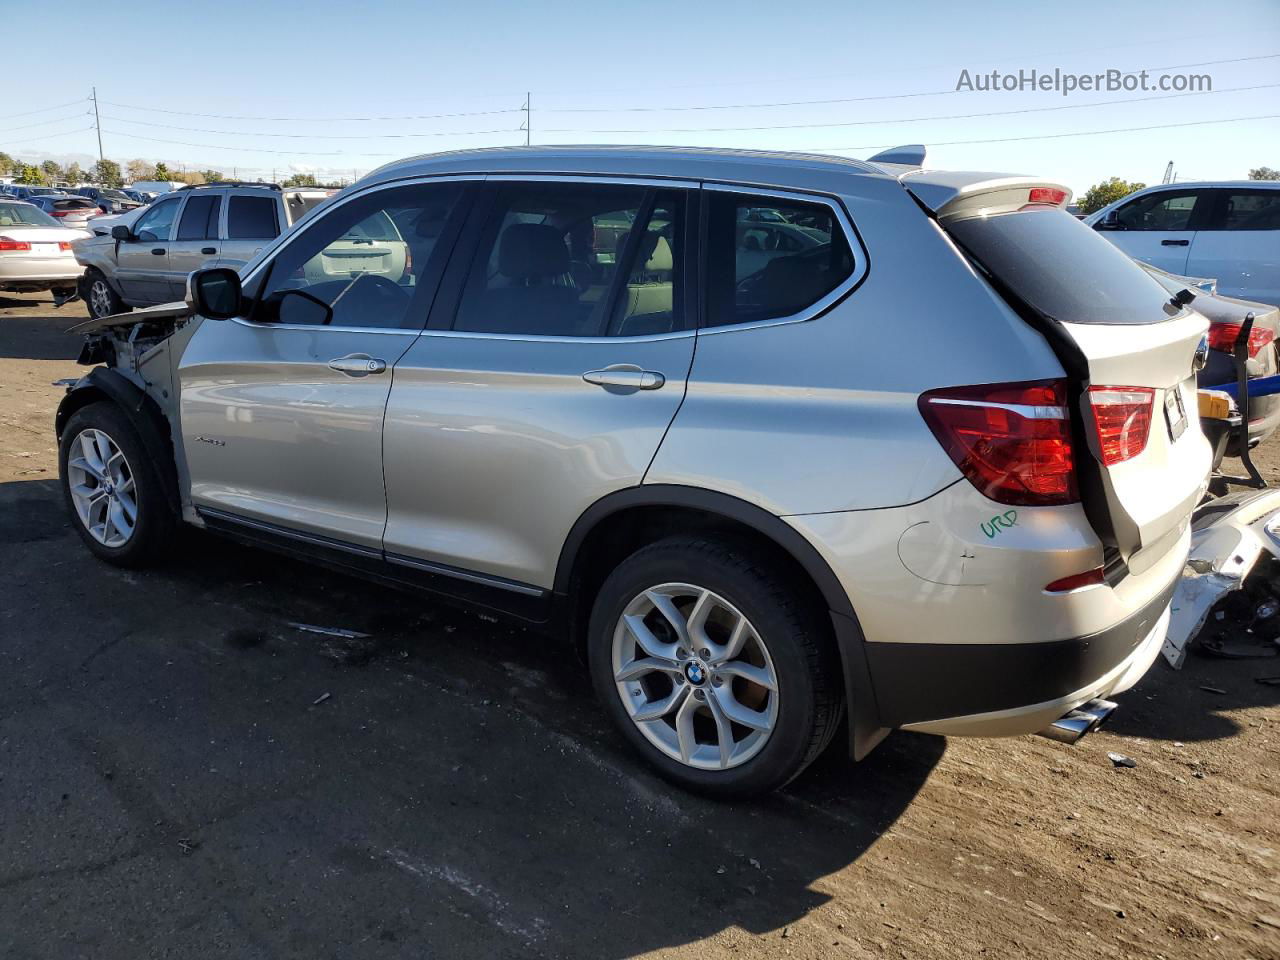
1061 267
252 218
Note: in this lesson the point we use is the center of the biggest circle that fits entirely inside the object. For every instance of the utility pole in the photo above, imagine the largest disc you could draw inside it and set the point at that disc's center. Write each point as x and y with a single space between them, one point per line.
528 116
97 124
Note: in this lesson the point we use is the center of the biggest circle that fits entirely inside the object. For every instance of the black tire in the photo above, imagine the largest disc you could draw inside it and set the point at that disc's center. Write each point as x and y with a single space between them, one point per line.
155 525
95 288
806 664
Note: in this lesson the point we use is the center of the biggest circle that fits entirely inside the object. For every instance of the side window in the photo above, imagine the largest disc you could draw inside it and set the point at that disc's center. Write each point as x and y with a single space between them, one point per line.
200 217
770 258
363 263
1247 210
157 223
576 260
1165 210
252 218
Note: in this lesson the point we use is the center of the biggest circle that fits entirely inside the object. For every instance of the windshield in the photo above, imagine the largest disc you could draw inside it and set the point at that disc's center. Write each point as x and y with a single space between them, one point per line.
1061 267
24 215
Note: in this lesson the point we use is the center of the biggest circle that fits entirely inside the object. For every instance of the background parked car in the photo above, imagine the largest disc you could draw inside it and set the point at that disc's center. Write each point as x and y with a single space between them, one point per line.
24 191
67 209
1227 229
109 200
1226 317
35 250
222 224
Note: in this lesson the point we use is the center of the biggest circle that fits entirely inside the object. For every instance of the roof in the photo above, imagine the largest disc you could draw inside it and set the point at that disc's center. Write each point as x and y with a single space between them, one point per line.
680 162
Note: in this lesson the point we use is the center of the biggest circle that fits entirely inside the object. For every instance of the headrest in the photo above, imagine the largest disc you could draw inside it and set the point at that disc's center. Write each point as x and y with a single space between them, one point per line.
431 221
659 250
529 250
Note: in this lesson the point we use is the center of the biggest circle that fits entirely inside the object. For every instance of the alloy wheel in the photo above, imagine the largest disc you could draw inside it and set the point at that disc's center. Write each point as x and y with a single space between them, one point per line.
100 298
102 488
695 676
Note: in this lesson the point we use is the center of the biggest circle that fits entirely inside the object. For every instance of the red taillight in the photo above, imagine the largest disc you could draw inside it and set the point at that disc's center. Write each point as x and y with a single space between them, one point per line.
1123 418
1046 195
1011 440
63 245
8 243
1077 580
1223 336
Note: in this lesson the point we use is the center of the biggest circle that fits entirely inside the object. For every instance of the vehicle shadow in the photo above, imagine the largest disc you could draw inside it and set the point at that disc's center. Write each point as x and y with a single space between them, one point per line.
453 774
39 338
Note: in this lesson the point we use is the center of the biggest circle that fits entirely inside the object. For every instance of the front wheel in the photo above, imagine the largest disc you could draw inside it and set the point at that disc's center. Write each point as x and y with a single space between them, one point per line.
713 666
112 489
100 297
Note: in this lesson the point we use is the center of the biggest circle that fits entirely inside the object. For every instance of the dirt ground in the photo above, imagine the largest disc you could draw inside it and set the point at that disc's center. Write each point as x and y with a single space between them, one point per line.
183 773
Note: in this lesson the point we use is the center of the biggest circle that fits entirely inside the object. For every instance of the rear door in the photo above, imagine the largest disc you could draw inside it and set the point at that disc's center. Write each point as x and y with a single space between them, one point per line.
1132 356
1158 228
553 364
142 261
196 242
1239 243
251 221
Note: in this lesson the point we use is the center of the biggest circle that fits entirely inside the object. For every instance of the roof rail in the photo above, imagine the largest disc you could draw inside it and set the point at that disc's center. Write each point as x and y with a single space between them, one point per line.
233 183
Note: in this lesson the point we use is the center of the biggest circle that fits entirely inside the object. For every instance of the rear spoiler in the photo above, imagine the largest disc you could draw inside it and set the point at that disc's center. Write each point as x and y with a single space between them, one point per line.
959 193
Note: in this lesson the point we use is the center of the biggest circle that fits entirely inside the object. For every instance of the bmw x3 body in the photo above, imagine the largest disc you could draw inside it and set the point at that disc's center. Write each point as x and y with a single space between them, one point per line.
785 446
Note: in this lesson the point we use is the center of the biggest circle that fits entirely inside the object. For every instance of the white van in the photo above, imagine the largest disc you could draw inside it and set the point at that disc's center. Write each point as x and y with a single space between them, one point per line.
1228 230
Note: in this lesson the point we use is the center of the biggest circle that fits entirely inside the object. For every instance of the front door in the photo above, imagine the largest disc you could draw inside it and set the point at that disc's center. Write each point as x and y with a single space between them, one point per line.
142 262
282 408
1239 244
552 366
1157 228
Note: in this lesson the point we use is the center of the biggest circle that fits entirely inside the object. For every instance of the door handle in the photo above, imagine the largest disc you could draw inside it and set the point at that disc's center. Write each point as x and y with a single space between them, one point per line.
159 251
1174 243
208 250
625 375
358 365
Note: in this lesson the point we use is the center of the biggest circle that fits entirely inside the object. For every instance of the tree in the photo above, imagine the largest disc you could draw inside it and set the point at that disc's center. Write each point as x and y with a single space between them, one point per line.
107 173
300 180
7 164
74 174
1109 191
212 176
29 173
140 170
1264 173
162 172
52 172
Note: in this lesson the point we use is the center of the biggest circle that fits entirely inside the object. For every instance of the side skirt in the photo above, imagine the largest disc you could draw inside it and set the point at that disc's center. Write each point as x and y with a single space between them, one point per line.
508 598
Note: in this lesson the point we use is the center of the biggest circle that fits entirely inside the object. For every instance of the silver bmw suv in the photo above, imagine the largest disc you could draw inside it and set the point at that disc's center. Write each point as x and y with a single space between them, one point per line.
786 447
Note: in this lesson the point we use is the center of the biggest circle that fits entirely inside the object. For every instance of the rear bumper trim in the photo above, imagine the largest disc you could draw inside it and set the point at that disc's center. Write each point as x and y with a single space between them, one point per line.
920 682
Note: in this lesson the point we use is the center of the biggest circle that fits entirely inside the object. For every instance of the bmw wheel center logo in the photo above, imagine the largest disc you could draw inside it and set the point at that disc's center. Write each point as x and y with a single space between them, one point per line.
695 673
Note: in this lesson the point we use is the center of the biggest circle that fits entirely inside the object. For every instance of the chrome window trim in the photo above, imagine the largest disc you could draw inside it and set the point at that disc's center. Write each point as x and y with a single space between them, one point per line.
622 179
288 236
544 338
820 306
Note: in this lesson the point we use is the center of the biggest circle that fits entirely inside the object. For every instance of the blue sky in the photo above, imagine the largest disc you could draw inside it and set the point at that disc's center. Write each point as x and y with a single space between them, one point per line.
600 72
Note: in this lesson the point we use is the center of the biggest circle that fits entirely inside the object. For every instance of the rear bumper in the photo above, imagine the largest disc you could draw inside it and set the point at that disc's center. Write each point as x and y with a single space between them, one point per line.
16 270
999 691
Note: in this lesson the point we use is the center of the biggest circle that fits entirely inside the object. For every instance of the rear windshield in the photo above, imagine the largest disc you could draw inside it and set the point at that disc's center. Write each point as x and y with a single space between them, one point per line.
25 215
1061 267
74 205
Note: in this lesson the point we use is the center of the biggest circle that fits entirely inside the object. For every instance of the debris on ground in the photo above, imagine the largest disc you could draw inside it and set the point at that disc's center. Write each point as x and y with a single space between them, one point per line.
321 699
1217 690
329 631
1229 594
1120 760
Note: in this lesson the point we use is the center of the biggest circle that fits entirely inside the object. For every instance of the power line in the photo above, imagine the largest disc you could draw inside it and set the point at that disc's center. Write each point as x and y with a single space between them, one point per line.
44 123
831 100
221 146
1055 136
954 116
316 136
46 136
27 113
227 116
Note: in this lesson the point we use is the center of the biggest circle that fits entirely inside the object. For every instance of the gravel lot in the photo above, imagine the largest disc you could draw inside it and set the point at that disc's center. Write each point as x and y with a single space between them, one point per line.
183 773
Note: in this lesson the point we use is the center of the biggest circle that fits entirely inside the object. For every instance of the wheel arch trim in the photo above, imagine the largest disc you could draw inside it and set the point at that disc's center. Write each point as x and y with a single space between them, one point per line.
103 383
865 729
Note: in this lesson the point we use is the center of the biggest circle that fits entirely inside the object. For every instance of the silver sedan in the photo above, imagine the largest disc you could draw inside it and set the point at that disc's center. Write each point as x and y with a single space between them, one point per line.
35 250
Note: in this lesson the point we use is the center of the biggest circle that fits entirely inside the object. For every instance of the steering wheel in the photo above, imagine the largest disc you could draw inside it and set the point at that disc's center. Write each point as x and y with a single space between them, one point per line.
371 292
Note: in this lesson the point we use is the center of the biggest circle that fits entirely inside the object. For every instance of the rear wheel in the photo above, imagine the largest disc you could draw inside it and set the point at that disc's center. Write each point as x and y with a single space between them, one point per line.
101 298
710 664
112 490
